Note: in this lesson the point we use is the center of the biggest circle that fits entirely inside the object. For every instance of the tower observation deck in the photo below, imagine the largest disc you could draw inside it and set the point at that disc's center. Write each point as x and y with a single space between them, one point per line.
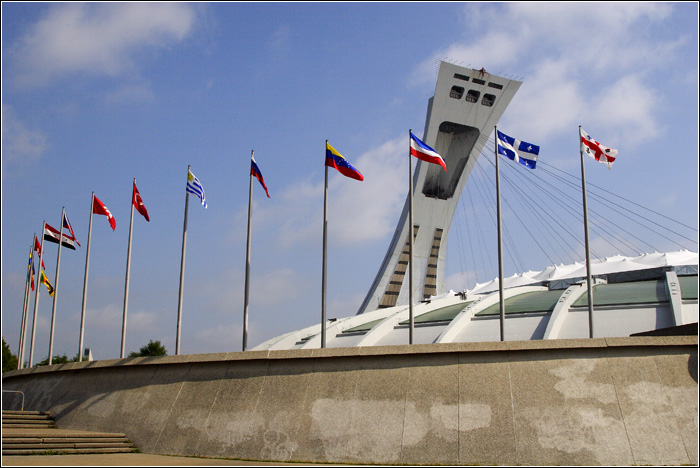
464 110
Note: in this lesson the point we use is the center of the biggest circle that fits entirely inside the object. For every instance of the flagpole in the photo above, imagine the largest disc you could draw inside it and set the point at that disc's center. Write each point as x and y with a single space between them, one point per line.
128 266
85 282
589 282
182 271
55 287
325 249
247 260
36 297
501 298
410 244
23 323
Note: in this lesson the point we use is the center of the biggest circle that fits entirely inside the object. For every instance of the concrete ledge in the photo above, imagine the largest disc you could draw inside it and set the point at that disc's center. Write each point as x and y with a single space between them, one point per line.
607 401
490 346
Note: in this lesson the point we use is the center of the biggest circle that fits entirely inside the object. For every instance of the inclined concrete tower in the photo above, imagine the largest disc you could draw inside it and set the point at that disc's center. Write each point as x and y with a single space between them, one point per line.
461 115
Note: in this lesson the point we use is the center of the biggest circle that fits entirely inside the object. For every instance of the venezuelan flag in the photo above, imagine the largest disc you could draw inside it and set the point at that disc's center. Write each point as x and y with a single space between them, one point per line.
336 160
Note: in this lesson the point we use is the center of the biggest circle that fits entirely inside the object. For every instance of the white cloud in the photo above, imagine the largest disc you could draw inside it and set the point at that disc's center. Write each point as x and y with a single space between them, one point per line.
358 211
20 145
367 210
97 38
136 93
581 63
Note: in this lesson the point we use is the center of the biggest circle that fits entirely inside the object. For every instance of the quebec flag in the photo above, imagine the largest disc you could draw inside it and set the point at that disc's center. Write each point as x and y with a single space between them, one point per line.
521 151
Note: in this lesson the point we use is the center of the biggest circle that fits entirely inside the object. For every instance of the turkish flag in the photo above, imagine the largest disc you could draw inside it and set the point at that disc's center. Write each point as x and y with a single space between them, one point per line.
138 203
100 208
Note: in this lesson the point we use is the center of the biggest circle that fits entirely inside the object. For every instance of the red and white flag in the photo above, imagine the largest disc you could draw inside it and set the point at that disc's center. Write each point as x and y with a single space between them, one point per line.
424 152
100 208
597 151
52 235
66 224
37 247
138 203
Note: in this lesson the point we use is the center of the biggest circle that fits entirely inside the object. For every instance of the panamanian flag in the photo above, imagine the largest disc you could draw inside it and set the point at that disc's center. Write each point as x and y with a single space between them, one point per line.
424 152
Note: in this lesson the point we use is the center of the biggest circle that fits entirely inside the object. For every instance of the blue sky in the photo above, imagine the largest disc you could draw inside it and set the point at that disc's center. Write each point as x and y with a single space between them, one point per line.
95 95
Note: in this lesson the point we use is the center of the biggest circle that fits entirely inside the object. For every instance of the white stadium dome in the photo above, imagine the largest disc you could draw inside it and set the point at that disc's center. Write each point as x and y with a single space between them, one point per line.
631 295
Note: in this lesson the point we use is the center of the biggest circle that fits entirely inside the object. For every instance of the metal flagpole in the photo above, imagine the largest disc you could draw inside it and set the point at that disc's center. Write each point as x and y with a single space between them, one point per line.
501 299
87 265
182 271
325 249
36 297
247 259
55 287
589 282
410 243
23 323
128 266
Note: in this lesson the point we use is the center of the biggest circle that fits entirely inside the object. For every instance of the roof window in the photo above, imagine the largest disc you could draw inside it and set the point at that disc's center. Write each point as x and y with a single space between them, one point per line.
488 100
456 92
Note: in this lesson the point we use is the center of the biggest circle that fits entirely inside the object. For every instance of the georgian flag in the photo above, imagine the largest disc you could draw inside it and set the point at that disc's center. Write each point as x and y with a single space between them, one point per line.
100 208
425 153
597 151
519 151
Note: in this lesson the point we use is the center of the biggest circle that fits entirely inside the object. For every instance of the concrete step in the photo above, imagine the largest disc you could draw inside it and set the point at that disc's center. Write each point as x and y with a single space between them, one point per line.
28 433
25 415
66 451
43 445
21 425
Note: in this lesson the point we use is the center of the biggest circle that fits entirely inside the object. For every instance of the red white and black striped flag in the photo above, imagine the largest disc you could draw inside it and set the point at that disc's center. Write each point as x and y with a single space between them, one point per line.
52 235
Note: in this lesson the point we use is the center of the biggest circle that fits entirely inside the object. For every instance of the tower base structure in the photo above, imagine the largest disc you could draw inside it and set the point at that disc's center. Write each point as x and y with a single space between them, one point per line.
463 112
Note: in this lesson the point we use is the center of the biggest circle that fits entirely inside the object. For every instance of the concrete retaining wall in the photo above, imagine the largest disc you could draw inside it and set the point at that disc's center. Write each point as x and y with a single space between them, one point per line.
621 401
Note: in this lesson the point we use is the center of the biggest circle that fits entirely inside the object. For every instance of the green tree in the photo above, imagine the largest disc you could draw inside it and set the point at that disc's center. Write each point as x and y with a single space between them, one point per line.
57 359
153 348
9 360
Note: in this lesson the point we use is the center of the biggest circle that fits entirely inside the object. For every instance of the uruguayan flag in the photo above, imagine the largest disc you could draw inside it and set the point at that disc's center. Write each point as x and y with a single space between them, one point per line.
195 188
521 151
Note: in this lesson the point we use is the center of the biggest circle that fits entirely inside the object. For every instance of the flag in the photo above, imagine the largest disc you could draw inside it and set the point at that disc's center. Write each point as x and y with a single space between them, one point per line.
52 235
195 188
336 160
37 247
255 172
425 153
67 225
595 150
519 151
45 280
138 203
100 208
30 268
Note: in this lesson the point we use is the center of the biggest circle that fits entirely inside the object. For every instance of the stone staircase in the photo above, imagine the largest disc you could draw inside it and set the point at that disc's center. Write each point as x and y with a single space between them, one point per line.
35 432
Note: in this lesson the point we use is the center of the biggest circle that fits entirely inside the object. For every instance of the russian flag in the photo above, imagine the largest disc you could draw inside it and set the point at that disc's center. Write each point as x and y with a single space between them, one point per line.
335 159
255 172
425 153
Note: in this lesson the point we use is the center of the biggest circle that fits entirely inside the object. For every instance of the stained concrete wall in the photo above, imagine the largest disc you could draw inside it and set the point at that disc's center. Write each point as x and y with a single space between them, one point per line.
621 401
